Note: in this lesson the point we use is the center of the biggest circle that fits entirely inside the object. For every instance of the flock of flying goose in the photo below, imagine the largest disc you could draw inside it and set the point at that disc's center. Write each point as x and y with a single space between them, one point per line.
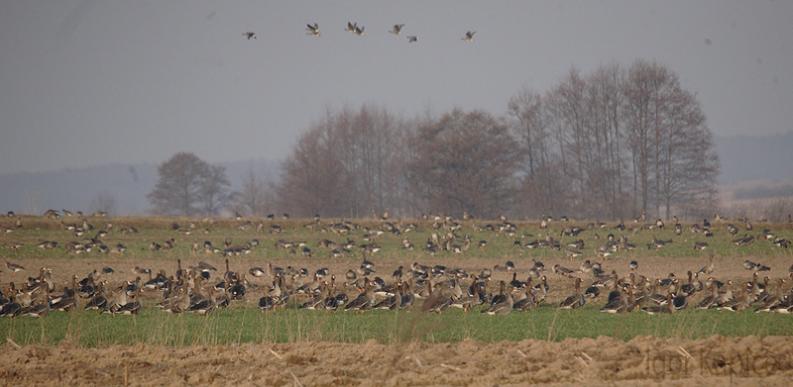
201 288
312 29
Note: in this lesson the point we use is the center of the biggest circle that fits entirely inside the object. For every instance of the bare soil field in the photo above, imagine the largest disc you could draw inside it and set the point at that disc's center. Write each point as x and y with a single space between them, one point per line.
643 360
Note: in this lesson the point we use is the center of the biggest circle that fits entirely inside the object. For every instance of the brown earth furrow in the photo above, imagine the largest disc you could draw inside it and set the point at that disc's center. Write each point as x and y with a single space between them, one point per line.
643 360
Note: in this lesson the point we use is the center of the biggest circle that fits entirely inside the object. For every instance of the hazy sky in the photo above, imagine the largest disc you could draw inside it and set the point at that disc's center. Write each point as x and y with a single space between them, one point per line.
91 82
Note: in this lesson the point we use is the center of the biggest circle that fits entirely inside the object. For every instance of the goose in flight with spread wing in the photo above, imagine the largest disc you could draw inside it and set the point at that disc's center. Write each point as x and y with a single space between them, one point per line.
313 29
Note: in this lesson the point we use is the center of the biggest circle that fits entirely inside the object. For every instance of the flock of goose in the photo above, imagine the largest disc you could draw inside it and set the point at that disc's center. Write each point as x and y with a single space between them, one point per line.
202 288
312 29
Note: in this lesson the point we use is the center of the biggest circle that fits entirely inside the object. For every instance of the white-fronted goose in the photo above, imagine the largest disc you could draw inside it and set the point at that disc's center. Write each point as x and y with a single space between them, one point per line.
576 300
396 29
313 30
469 37
501 303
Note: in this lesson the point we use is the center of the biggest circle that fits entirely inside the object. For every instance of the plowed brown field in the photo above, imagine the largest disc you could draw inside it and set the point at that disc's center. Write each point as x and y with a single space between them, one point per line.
645 360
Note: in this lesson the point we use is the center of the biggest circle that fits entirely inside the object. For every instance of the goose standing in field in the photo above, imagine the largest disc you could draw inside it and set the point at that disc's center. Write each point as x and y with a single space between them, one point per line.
131 305
501 303
526 301
390 302
667 307
749 265
616 302
593 291
202 305
38 308
576 300
679 300
142 270
67 300
436 300
13 267
743 241
563 271
266 303
700 245
707 269
363 300
542 287
11 308
257 271
690 286
407 296
97 300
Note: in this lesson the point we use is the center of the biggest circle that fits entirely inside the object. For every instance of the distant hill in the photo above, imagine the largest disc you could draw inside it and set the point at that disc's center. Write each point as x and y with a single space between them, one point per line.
751 157
74 189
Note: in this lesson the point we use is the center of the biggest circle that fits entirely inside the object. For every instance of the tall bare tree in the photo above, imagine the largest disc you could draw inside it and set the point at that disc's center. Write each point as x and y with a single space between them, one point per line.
215 190
466 162
593 135
189 186
253 197
348 164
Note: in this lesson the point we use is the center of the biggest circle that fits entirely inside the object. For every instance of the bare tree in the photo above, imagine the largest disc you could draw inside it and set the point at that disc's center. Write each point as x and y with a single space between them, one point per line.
252 198
590 134
189 186
607 144
311 177
674 162
466 162
215 191
348 164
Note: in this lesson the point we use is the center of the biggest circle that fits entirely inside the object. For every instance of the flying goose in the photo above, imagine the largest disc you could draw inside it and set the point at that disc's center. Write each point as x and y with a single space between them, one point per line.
469 36
311 29
412 38
359 30
396 29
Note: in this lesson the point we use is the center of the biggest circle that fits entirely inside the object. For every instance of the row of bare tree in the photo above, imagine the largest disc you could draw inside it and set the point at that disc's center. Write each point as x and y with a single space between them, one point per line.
614 143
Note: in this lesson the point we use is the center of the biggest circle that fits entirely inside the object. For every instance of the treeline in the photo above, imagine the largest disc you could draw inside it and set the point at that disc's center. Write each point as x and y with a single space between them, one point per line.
615 143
